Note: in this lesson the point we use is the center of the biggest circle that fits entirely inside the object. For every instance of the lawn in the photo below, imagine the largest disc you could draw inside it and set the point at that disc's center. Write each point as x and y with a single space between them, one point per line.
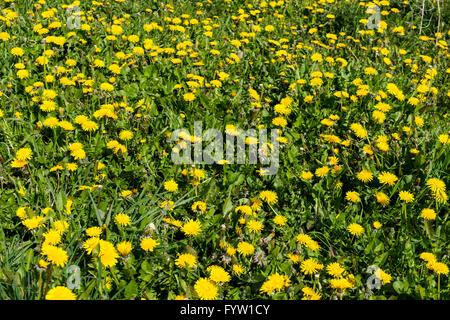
219 149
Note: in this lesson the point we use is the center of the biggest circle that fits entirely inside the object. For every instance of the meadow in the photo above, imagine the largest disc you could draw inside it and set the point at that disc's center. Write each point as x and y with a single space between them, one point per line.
92 205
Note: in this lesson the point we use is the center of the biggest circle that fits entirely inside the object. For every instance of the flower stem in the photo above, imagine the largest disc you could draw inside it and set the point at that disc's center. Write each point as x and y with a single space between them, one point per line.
50 269
439 286
39 286
116 280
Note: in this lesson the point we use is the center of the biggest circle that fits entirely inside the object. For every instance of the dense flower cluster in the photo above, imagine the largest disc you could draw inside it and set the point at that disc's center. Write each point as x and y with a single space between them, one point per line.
92 99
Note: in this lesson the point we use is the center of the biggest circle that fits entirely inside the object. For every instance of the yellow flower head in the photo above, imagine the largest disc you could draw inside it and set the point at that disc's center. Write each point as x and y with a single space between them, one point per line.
218 274
245 248
206 289
355 229
387 178
124 248
60 293
340 284
254 226
55 255
148 244
122 220
171 185
335 269
382 198
192 228
322 172
275 282
406 196
269 196
365 175
186 260
126 135
280 220
310 266
428 214
24 154
352 196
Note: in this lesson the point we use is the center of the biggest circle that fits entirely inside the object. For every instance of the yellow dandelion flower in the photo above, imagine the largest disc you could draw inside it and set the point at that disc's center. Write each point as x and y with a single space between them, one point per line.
60 293
352 196
310 266
245 248
322 172
280 220
377 225
335 269
206 289
255 226
406 196
126 135
383 276
191 228
237 269
148 244
364 175
24 154
355 229
428 214
186 260
93 231
427 256
218 274
387 178
438 267
275 282
340 284
382 198
122 220
171 185
124 248
269 196
55 255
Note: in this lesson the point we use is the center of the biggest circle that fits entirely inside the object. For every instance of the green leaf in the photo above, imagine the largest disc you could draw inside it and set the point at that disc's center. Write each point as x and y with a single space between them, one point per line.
146 267
398 286
227 206
86 293
28 258
59 202
131 290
